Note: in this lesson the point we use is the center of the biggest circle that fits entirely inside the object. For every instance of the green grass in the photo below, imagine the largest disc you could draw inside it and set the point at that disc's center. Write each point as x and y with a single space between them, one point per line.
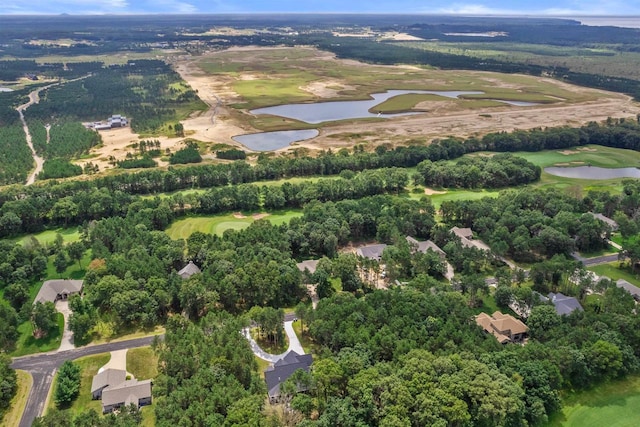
88 368
614 272
142 363
148 416
456 195
218 224
28 344
71 234
614 404
594 155
305 341
73 271
262 365
268 346
19 401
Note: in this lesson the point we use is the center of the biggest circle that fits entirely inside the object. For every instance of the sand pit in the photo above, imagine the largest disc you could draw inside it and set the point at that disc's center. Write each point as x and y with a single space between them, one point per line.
238 215
568 152
260 216
431 192
591 149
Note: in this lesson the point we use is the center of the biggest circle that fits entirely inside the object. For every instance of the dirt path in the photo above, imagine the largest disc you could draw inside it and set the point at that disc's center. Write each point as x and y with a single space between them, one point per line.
34 98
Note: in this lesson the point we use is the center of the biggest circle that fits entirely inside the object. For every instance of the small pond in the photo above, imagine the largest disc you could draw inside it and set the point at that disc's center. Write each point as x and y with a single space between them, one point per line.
342 110
517 103
593 172
5 89
268 141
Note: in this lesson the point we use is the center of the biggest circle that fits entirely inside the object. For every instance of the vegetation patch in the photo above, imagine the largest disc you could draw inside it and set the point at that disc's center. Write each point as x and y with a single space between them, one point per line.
19 401
28 344
142 363
614 272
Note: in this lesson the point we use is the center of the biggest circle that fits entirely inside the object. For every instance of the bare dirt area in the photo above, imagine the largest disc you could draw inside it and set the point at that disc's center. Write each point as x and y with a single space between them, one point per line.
221 122
260 216
431 192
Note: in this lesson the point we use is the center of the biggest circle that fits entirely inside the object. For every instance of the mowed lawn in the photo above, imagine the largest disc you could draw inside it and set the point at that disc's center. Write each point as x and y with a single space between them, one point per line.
218 224
71 234
615 404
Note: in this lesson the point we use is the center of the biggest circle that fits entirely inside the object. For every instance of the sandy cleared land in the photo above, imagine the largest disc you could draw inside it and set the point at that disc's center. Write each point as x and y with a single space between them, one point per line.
441 119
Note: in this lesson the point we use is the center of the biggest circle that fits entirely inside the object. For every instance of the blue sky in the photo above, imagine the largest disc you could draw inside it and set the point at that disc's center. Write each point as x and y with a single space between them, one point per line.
472 7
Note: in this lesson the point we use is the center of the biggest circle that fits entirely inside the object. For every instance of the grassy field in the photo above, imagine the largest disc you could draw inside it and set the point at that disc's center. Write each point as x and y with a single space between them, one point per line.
262 365
268 77
19 401
45 238
305 341
613 272
142 363
88 368
597 59
218 224
614 404
269 347
28 344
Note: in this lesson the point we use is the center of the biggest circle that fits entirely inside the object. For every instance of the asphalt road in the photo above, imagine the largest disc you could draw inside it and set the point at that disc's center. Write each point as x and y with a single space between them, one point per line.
42 368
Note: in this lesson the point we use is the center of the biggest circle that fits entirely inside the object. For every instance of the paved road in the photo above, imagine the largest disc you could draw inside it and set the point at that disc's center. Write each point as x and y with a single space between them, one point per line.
605 259
294 343
42 368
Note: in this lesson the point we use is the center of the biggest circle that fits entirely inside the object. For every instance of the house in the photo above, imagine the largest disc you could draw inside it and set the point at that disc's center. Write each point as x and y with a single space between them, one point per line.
371 251
310 265
54 290
504 327
189 270
127 393
466 239
115 390
632 289
611 223
563 304
104 379
277 374
425 246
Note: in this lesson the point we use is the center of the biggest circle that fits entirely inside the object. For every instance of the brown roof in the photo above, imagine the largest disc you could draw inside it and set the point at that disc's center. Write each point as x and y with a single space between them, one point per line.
462 232
310 264
424 246
502 326
189 270
127 392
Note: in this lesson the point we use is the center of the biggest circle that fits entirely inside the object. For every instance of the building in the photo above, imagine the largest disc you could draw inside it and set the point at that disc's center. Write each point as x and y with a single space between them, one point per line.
632 289
189 270
424 246
127 393
504 327
277 374
54 290
104 379
466 239
563 304
115 390
309 265
115 121
611 223
373 252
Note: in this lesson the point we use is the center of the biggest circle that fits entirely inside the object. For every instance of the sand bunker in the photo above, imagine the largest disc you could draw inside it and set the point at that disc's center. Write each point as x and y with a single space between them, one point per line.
260 216
238 215
431 191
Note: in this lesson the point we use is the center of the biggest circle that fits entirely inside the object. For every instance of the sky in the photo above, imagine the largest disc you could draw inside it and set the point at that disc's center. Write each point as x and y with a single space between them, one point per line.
464 7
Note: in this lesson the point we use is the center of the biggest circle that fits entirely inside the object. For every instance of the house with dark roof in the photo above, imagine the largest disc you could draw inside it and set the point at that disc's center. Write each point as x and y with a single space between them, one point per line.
115 390
424 246
632 289
277 374
504 327
54 290
373 252
563 304
189 270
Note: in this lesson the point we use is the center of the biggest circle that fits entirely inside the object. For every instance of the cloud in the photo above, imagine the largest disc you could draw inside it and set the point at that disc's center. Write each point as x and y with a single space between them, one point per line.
173 6
476 9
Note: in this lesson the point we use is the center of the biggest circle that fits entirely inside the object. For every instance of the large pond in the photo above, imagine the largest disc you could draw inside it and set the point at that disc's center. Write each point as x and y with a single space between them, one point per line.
268 141
593 172
342 110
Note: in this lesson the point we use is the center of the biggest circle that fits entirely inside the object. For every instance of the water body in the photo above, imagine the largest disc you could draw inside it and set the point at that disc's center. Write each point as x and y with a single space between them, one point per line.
517 103
5 89
268 141
342 110
593 172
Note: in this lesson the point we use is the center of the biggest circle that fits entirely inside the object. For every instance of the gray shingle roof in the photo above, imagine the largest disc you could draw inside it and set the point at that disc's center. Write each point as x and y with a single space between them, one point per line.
52 288
424 246
632 289
371 251
189 270
564 304
310 264
284 368
108 377
127 392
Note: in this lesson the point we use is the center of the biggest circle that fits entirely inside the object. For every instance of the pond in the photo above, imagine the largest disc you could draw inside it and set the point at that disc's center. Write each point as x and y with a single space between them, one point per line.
5 89
593 172
268 141
342 110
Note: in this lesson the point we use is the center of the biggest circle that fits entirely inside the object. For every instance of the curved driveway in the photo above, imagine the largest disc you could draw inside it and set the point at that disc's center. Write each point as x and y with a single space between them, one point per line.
294 344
